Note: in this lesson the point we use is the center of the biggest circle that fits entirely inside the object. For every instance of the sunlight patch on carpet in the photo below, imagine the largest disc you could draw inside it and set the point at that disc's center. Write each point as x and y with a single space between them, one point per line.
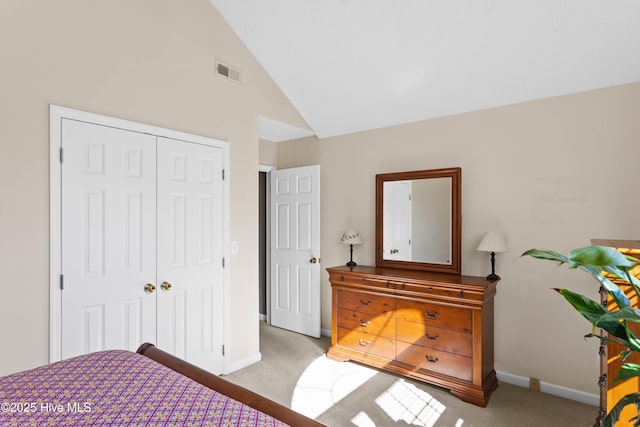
324 383
363 420
405 402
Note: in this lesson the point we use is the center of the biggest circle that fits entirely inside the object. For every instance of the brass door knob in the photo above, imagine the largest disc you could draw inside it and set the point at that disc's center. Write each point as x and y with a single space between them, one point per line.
166 286
313 260
149 288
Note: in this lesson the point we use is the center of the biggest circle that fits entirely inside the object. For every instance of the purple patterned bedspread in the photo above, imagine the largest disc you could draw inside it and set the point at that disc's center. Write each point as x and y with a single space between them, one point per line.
117 388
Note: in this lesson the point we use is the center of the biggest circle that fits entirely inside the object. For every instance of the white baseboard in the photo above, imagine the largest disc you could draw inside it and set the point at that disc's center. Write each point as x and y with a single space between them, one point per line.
325 332
243 363
556 390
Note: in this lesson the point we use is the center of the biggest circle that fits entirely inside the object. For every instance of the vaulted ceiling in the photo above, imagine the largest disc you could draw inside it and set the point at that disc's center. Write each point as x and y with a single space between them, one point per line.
353 65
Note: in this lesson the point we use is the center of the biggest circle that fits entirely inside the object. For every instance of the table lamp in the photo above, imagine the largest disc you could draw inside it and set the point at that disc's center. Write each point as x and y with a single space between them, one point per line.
493 242
350 237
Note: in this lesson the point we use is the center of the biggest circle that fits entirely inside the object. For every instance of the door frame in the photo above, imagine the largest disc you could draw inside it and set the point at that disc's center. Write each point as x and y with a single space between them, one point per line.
56 114
267 169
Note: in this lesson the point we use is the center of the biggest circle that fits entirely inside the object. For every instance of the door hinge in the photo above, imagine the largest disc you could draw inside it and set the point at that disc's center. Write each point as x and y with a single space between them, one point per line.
61 282
61 155
223 262
223 349
223 174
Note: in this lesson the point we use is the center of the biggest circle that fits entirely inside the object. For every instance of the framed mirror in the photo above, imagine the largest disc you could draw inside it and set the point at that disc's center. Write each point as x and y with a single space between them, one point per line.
419 220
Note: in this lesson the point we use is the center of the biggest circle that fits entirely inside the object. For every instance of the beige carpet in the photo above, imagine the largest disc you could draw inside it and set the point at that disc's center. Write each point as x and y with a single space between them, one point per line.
295 373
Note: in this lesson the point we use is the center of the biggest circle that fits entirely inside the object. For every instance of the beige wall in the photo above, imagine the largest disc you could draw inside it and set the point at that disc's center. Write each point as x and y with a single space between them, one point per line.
268 153
548 174
150 61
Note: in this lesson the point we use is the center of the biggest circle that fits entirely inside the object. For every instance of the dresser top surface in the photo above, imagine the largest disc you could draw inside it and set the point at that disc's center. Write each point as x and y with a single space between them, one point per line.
416 275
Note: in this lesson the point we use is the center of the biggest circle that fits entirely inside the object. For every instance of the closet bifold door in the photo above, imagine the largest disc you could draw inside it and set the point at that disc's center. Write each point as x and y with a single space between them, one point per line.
108 238
190 251
142 243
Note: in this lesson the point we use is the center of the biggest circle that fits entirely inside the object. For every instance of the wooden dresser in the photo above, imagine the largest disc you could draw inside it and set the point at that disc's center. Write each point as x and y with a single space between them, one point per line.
434 327
610 362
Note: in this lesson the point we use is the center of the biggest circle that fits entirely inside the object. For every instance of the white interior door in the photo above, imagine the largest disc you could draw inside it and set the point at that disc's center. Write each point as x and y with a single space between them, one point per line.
190 252
108 239
142 244
295 249
396 240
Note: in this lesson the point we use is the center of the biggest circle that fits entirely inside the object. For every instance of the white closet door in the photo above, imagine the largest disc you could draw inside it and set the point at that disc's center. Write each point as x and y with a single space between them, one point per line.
108 238
190 252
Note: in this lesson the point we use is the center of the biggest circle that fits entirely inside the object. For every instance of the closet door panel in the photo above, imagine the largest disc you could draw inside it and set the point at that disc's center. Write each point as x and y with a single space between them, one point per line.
108 238
190 251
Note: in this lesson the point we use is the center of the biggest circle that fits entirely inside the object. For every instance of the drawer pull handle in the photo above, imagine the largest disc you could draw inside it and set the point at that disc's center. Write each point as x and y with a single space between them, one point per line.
364 304
431 359
431 338
430 289
364 344
364 324
430 315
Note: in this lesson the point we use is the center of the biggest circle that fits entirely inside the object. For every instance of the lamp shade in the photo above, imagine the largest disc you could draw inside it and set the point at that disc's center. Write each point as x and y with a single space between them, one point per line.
492 242
350 237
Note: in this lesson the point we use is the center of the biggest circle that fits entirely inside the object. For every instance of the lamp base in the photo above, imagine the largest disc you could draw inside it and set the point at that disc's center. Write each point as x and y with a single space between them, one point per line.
351 263
493 277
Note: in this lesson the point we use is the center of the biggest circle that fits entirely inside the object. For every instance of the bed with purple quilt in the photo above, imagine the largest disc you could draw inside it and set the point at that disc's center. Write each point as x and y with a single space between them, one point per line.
122 388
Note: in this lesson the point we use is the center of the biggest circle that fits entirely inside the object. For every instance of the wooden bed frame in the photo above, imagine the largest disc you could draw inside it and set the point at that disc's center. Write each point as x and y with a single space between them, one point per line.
227 388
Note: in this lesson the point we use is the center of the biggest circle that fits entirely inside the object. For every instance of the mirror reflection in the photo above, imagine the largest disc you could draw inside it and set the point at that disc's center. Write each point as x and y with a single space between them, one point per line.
417 220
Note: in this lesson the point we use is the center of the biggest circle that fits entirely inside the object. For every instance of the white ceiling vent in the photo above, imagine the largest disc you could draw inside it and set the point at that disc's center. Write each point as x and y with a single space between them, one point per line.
227 72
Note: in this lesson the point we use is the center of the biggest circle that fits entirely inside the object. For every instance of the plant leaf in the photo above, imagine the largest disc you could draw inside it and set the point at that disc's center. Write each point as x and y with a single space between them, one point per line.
634 343
599 256
590 309
631 314
621 341
616 293
613 416
628 370
593 260
595 313
546 254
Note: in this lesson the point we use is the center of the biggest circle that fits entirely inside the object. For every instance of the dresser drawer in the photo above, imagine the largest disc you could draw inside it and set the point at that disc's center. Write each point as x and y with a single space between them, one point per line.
435 360
367 323
448 340
432 290
434 315
364 303
366 343
360 281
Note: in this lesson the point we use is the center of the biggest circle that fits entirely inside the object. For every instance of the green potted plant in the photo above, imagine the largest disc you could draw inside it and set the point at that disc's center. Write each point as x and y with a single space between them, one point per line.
595 260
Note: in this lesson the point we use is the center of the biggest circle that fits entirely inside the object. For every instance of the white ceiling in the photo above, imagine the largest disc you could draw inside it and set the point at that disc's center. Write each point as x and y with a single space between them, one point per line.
352 65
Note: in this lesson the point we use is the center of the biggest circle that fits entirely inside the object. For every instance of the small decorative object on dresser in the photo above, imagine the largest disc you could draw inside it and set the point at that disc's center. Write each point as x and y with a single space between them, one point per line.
492 242
351 237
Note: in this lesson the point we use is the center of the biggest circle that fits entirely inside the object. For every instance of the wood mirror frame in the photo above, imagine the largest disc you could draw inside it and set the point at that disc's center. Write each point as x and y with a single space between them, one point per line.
454 267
